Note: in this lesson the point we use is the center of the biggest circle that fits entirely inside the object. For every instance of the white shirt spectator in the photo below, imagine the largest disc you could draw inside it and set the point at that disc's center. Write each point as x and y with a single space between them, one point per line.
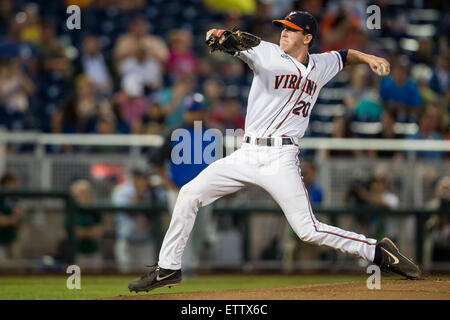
95 68
148 70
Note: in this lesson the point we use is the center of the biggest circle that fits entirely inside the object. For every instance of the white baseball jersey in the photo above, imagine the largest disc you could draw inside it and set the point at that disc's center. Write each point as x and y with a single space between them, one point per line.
284 91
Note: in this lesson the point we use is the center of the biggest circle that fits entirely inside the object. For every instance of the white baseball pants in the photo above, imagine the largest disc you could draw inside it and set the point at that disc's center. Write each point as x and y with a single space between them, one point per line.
275 169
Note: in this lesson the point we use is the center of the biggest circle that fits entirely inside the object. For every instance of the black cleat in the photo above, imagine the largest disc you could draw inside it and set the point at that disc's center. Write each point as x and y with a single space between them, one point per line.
392 260
156 278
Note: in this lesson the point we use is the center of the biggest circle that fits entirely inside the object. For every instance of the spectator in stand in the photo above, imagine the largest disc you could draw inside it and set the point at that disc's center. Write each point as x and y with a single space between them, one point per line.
441 116
309 173
135 247
314 7
6 14
123 5
341 129
132 101
204 69
12 46
377 194
424 54
106 124
213 90
110 119
236 81
88 228
78 112
94 65
440 80
362 97
261 22
32 28
437 227
401 94
52 56
173 99
122 126
142 66
422 74
229 116
139 47
16 89
338 29
359 87
387 131
381 196
182 59
154 117
11 213
365 43
428 130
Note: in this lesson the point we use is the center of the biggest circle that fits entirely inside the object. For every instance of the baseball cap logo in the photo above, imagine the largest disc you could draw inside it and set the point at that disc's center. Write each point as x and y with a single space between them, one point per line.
307 27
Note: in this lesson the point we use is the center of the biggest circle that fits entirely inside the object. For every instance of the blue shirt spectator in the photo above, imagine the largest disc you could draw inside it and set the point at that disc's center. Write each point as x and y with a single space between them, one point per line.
180 150
400 94
406 93
439 81
309 174
428 131
12 46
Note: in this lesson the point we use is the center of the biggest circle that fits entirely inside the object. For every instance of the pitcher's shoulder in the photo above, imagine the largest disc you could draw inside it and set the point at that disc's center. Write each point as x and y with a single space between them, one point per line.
326 57
268 46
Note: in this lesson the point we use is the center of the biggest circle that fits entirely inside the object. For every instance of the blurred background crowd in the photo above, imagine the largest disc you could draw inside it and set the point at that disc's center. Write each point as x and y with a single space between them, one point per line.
142 67
132 64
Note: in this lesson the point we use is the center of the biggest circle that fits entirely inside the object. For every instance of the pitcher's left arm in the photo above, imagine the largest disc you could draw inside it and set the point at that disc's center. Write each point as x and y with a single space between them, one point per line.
377 64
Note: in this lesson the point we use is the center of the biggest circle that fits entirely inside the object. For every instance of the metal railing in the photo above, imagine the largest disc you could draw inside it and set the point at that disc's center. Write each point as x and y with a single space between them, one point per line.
244 214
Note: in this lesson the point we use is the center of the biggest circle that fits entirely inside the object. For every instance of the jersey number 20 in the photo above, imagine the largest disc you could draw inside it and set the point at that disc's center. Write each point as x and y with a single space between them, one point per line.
303 108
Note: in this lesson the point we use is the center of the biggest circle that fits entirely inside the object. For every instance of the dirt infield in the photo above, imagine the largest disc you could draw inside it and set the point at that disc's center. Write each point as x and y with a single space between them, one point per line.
390 290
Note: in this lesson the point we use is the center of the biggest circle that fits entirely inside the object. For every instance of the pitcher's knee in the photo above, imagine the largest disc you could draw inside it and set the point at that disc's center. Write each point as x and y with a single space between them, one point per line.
188 194
308 235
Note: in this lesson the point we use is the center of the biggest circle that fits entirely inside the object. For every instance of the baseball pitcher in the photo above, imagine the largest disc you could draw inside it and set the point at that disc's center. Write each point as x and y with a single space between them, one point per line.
287 81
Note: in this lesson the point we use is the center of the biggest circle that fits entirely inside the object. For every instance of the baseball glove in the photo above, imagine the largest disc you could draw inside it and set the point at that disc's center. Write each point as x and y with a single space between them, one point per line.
233 41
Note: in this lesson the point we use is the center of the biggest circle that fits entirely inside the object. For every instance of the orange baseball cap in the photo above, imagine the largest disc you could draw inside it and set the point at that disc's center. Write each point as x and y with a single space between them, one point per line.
299 20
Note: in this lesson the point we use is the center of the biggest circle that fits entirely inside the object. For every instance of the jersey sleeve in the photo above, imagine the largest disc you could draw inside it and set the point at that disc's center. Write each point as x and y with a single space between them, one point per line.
330 63
255 56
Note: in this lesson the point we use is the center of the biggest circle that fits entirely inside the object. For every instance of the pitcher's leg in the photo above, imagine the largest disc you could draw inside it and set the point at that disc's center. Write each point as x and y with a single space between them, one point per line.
290 193
189 260
217 180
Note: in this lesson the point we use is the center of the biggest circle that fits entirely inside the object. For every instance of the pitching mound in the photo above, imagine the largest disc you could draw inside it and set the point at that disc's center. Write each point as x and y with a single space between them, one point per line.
390 290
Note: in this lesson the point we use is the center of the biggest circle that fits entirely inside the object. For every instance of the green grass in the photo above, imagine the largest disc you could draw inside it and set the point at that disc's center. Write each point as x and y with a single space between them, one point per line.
54 287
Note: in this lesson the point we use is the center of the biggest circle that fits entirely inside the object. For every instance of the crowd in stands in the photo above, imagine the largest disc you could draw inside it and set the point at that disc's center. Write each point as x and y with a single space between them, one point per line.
132 65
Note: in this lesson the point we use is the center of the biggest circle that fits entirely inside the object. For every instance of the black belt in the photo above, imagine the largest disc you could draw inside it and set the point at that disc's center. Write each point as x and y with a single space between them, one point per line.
268 142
